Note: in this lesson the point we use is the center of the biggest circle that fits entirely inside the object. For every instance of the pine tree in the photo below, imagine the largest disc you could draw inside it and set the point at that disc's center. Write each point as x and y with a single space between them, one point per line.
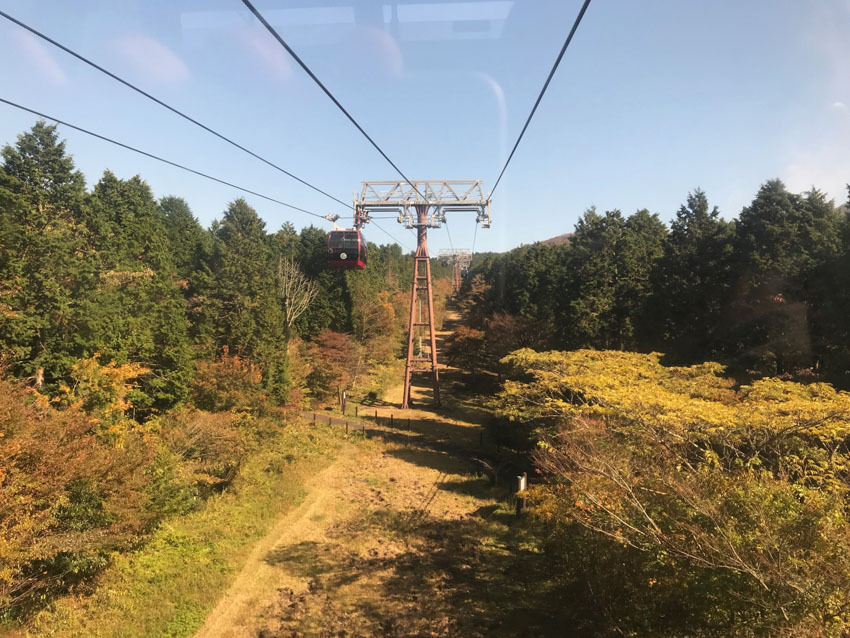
137 313
45 266
692 283
781 241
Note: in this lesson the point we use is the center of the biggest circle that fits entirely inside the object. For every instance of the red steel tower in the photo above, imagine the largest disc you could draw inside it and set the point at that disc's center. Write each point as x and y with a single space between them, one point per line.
423 205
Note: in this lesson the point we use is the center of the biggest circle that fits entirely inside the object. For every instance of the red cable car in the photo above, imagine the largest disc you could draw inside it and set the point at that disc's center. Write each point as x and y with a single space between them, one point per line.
347 249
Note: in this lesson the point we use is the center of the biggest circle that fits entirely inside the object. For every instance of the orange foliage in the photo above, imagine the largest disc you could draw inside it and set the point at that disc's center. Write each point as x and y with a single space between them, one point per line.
230 383
66 495
337 362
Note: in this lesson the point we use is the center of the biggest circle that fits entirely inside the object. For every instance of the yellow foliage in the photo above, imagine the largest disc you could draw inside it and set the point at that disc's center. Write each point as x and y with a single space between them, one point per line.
598 384
103 392
679 462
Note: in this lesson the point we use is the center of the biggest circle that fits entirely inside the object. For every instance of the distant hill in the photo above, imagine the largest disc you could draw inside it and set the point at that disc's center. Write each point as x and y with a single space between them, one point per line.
560 240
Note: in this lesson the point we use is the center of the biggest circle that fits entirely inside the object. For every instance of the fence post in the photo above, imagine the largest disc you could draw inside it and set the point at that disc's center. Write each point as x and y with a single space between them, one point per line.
346 427
314 417
521 487
356 410
329 419
376 417
391 420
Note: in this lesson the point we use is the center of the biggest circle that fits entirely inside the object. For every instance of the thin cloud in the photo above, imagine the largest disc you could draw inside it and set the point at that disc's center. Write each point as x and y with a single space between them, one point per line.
265 50
823 161
817 149
151 59
379 47
40 58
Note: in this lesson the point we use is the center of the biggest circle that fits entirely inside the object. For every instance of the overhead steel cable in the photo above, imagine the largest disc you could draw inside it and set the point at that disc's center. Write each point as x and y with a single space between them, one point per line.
327 92
175 164
391 237
446 224
542 91
156 157
167 106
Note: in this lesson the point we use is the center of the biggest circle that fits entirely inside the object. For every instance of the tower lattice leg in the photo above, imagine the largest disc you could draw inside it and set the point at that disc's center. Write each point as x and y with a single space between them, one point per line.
420 294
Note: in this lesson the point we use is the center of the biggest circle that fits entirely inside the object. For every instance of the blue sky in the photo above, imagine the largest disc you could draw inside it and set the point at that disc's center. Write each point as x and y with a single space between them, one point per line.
653 99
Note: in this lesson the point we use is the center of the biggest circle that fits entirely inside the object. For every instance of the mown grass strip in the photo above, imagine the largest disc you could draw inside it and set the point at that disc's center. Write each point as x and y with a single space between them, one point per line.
167 587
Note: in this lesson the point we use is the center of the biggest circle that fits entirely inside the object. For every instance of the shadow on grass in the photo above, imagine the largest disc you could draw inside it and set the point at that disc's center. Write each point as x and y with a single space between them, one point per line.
434 459
468 577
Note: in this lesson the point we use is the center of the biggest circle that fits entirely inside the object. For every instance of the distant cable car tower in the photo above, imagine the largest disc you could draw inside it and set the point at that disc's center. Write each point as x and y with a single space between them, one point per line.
423 204
460 260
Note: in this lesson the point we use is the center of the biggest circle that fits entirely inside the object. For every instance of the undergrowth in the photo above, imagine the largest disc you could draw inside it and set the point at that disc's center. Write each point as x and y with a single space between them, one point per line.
167 587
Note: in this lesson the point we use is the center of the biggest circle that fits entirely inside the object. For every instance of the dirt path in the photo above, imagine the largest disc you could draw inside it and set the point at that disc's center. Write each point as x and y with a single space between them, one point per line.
402 536
370 552
257 576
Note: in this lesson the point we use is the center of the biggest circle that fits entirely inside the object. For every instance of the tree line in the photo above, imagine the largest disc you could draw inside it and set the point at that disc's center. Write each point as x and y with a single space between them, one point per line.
766 294
144 358
115 273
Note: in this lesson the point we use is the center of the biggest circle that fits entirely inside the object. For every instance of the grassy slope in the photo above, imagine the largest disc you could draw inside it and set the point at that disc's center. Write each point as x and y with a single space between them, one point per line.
167 587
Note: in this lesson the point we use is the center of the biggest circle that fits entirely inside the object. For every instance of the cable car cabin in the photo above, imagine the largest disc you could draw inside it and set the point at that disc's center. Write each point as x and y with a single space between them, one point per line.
347 249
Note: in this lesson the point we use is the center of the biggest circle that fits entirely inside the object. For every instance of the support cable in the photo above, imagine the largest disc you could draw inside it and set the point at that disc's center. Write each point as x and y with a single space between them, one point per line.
446 224
391 237
175 164
327 92
542 91
156 157
167 106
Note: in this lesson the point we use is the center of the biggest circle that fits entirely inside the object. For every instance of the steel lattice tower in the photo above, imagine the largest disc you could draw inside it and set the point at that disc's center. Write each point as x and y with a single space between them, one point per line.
423 205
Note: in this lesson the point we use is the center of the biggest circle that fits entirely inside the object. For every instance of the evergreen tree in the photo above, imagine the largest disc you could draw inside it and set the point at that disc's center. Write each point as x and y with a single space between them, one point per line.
828 287
243 299
781 240
638 252
190 242
191 249
285 242
332 307
591 292
137 313
44 259
44 173
692 281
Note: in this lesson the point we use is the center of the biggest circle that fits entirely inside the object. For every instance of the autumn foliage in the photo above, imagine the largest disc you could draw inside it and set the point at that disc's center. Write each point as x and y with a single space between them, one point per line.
228 383
338 360
68 495
80 479
728 504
